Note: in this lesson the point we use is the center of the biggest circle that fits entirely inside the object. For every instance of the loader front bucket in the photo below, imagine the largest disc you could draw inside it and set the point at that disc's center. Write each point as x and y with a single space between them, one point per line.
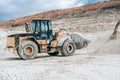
79 41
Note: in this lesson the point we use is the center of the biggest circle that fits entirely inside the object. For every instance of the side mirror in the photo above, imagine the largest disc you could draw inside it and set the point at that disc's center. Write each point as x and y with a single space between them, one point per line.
27 27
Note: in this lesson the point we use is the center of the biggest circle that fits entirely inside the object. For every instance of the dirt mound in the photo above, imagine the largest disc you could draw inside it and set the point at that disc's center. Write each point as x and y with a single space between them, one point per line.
110 47
103 46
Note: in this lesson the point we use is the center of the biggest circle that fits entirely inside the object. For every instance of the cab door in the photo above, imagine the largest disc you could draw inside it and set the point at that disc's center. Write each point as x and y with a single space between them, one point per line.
44 30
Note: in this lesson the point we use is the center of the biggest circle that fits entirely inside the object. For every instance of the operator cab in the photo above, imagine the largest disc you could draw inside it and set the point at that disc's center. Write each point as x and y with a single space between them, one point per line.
42 29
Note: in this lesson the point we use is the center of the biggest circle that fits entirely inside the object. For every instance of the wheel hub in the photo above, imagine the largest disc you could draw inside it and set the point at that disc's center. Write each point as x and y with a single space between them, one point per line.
28 50
69 48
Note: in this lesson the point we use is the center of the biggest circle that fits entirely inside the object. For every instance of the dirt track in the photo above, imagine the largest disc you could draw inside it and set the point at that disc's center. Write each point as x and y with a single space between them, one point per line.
80 67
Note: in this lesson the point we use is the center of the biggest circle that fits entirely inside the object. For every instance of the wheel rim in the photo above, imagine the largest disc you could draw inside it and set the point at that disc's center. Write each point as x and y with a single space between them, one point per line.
70 48
28 50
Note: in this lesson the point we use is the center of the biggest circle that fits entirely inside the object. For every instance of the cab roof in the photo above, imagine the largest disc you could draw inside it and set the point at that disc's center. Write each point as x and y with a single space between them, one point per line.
41 20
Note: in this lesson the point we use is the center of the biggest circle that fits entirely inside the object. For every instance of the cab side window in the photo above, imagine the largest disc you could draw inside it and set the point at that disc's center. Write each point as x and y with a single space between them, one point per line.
49 24
33 26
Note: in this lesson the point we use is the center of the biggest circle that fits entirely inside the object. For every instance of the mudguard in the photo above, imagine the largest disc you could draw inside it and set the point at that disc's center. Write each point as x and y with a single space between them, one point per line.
61 41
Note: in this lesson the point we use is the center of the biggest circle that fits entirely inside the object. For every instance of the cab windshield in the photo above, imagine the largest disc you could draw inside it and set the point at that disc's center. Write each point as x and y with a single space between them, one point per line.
42 26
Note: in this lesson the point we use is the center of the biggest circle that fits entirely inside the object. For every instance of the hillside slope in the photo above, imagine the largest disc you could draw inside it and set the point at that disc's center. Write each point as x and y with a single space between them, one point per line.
64 14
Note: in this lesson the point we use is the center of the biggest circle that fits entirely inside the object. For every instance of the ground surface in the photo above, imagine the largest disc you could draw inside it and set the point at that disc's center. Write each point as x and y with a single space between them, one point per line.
77 67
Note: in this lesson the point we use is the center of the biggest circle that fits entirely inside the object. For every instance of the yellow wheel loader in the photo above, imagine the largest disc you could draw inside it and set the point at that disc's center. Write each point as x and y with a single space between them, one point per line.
39 38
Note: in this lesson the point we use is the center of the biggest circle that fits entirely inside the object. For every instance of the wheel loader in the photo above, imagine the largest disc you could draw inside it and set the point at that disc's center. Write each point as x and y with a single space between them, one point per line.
39 38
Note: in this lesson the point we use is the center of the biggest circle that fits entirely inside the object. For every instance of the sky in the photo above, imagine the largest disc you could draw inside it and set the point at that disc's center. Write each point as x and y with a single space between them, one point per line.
12 9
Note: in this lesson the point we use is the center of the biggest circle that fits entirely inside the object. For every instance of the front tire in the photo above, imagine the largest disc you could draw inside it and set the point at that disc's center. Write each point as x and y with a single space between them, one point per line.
27 50
68 48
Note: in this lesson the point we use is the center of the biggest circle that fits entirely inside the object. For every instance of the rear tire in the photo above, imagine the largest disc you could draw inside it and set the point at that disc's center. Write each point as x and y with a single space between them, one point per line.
53 54
68 48
27 50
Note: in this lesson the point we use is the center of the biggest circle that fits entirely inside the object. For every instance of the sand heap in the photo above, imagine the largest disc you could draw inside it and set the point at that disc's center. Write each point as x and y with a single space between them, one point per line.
104 46
110 47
